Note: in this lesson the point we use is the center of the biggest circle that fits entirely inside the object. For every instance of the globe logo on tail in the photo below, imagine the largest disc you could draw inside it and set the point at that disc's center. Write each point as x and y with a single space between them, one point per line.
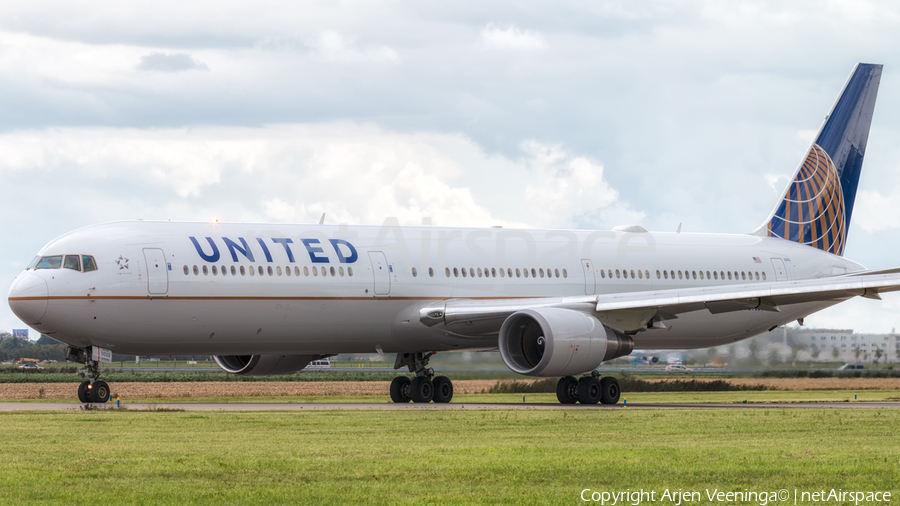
812 211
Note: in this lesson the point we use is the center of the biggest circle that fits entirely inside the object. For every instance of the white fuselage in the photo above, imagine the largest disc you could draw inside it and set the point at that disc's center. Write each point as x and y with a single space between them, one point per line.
154 292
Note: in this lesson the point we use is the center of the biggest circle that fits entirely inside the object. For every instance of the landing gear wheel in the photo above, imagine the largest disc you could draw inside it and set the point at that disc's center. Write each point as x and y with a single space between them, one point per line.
421 389
99 392
609 390
589 390
83 392
567 390
400 389
443 389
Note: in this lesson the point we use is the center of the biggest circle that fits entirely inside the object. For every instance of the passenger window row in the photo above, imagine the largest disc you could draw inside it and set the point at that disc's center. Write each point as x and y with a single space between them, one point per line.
268 270
708 275
494 272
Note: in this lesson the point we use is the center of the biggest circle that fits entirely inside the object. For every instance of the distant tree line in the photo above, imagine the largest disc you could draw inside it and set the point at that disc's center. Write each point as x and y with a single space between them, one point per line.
47 348
13 348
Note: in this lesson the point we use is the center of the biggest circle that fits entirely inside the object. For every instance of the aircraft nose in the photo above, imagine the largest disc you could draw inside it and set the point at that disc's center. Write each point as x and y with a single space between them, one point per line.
28 297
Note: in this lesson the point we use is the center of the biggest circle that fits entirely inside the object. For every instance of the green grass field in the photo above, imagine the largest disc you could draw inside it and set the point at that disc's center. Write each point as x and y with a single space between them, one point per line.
436 457
751 396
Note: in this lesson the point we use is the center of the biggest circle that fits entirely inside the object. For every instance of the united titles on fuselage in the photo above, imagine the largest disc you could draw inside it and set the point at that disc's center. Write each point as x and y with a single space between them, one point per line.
344 251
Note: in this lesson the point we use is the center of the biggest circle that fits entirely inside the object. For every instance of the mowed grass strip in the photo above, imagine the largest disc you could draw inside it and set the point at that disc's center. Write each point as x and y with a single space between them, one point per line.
458 457
634 398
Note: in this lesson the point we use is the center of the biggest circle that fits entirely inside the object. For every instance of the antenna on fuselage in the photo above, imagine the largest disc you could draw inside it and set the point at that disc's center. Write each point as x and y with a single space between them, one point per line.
678 231
322 219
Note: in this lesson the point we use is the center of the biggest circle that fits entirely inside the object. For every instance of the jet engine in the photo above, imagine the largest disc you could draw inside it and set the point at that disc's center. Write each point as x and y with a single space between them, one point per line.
558 342
264 365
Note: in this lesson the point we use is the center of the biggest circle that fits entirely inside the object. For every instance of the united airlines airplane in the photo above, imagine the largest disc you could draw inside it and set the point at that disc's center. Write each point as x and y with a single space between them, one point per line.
267 299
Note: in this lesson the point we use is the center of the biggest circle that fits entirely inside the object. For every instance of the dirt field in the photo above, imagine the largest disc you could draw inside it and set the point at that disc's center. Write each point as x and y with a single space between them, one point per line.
15 391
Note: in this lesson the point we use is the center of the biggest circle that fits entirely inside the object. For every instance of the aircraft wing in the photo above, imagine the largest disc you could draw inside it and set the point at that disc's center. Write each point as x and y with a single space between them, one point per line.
633 310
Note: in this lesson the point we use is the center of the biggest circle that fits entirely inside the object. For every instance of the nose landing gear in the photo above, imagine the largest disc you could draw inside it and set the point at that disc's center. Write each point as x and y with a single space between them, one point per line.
92 389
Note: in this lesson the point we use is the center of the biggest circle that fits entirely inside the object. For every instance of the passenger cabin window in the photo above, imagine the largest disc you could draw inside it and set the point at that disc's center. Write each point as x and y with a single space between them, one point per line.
53 262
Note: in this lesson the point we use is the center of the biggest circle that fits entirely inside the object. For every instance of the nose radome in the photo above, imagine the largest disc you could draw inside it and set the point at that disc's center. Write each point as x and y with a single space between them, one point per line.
28 297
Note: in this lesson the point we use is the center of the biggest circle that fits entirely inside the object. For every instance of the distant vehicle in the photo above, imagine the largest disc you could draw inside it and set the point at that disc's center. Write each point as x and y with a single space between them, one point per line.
30 366
850 367
676 368
27 361
319 364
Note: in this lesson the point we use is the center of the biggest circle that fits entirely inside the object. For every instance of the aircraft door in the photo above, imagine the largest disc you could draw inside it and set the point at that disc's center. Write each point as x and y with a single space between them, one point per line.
780 273
157 271
589 282
382 271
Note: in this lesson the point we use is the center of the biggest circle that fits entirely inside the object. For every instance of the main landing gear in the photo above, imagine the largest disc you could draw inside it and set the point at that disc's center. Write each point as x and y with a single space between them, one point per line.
425 387
588 390
92 389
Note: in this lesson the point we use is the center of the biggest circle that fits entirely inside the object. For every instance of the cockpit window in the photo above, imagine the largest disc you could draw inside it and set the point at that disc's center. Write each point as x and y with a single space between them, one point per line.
89 263
54 262
72 262
33 262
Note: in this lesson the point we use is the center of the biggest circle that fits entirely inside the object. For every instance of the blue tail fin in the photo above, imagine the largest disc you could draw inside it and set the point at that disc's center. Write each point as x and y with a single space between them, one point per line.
817 205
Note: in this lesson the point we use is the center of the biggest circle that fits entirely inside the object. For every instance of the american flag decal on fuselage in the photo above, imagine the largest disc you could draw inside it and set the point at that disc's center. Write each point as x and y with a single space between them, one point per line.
812 211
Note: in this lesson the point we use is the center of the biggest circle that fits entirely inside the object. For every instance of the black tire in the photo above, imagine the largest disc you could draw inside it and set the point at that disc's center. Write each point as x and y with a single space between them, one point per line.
589 390
421 389
609 388
400 389
99 392
567 390
83 392
443 389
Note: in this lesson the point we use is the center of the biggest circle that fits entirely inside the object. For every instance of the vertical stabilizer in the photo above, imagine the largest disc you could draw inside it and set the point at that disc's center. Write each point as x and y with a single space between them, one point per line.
817 205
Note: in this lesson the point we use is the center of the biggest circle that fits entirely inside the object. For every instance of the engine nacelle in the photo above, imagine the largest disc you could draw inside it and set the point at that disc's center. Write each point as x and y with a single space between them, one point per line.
264 365
558 342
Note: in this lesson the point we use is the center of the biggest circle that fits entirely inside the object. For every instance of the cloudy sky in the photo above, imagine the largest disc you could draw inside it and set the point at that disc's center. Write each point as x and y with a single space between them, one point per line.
535 114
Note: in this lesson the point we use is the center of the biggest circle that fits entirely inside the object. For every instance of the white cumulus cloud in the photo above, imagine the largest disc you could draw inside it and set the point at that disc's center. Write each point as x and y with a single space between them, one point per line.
566 189
511 37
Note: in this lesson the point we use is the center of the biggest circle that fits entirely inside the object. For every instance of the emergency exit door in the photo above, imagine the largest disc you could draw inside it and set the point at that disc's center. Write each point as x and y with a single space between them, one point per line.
382 271
589 280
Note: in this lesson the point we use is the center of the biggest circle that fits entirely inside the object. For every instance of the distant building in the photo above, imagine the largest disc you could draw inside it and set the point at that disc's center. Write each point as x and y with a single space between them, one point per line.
801 344
823 345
